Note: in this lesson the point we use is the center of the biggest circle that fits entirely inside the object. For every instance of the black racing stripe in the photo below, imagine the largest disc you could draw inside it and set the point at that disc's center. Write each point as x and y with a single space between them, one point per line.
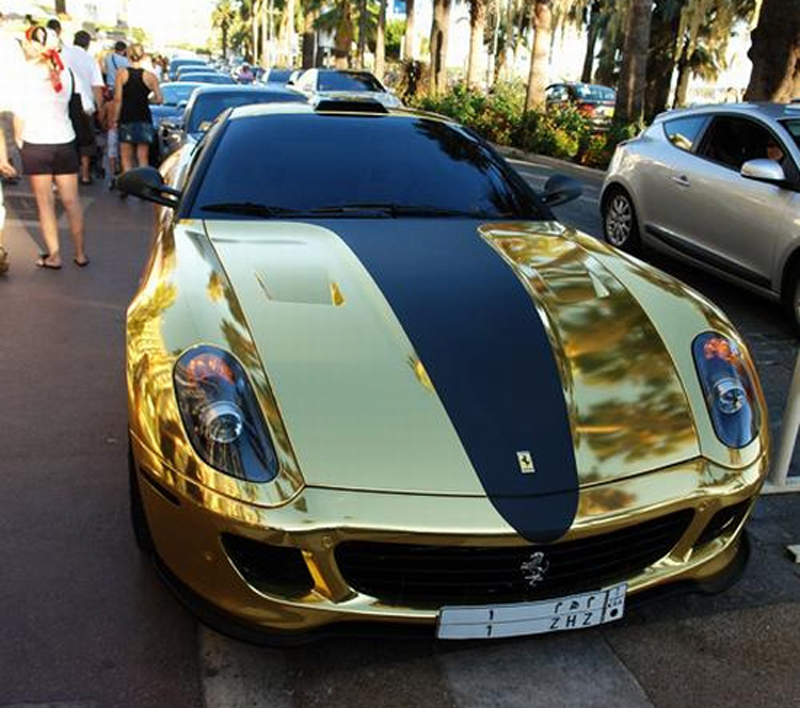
477 332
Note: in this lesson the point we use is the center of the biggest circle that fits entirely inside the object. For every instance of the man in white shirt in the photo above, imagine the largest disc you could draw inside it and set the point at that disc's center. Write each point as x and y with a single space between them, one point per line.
89 84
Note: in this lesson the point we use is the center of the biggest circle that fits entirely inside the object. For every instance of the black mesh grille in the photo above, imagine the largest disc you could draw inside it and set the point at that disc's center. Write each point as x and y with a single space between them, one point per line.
430 576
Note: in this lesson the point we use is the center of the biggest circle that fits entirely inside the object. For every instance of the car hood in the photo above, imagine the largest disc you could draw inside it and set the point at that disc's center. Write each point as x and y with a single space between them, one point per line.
377 357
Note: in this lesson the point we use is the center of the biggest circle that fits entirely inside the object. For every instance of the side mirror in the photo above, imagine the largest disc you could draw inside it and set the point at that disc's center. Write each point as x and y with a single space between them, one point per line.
560 189
763 170
170 125
147 183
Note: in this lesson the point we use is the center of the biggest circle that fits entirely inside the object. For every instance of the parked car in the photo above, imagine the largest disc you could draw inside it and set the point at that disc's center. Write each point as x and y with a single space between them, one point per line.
206 77
176 95
719 187
373 381
207 102
277 75
594 102
340 83
177 63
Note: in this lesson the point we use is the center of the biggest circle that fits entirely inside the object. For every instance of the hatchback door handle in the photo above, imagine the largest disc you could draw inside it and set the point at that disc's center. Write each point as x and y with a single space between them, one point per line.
682 181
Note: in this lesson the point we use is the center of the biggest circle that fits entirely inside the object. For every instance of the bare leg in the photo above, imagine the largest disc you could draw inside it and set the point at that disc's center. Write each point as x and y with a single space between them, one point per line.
85 159
68 191
127 156
42 186
143 154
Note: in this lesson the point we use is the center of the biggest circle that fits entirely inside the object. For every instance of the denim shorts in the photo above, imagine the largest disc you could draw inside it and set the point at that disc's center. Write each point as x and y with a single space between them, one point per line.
139 132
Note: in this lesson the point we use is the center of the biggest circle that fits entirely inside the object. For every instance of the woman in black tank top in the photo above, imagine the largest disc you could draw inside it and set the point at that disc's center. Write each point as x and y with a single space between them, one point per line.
135 123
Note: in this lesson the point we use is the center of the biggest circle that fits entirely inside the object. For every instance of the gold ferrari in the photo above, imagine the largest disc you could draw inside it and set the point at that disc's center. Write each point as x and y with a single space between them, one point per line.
373 384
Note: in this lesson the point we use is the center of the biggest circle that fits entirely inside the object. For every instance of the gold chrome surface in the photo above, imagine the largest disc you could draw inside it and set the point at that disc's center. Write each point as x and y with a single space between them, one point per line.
366 449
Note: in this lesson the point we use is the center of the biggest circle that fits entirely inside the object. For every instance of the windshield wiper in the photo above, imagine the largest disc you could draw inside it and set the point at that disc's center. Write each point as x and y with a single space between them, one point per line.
248 208
394 209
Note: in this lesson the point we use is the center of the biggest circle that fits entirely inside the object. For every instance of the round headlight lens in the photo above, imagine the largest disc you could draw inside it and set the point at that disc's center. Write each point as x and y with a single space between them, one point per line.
727 382
222 416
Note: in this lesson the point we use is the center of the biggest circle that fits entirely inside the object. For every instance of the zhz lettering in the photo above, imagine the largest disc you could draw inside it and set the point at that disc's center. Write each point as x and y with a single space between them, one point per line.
571 621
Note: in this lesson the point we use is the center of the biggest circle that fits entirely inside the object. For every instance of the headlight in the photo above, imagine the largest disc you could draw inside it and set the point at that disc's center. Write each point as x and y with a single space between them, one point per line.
727 383
221 415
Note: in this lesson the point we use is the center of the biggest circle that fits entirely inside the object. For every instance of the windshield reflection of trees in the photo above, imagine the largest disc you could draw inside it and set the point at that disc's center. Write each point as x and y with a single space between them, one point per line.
459 148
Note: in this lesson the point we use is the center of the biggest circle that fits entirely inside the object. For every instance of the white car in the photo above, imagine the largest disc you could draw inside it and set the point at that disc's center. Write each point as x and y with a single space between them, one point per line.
718 186
342 84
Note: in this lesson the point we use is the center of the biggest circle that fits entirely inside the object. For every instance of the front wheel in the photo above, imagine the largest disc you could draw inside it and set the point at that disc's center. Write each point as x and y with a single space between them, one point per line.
620 227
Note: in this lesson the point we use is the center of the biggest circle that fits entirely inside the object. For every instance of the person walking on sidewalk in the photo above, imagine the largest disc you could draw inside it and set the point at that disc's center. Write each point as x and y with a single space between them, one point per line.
43 130
89 83
133 118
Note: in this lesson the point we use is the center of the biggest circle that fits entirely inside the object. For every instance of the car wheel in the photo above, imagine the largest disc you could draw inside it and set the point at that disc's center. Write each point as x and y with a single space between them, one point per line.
792 298
620 227
141 529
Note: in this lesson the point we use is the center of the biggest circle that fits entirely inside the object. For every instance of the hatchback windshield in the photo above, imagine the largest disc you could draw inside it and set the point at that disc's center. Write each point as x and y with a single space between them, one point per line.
344 165
348 81
595 93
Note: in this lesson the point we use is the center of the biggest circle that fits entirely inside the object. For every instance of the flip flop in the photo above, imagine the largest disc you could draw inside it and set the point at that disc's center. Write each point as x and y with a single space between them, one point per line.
81 264
41 262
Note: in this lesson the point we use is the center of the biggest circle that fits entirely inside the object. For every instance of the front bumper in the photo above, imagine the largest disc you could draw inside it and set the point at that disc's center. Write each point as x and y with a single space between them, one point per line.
188 523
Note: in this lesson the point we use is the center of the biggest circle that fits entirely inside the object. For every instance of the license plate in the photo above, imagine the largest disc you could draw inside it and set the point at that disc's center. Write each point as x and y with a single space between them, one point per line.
517 619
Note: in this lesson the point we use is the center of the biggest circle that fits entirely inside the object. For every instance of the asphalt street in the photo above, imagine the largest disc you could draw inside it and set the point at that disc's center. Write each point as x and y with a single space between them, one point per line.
86 623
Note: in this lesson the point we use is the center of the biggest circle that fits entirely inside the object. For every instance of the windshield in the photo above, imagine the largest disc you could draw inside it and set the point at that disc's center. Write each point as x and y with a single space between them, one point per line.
175 94
345 165
208 106
347 81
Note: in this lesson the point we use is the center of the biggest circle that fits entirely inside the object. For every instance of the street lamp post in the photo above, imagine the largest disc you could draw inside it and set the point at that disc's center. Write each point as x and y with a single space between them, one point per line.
789 430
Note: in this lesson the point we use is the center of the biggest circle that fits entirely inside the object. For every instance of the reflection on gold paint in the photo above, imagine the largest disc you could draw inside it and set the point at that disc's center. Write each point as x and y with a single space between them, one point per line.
629 411
336 295
155 417
421 373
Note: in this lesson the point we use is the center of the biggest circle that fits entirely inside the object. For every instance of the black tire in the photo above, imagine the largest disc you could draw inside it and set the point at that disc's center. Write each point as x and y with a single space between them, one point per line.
141 529
791 297
620 225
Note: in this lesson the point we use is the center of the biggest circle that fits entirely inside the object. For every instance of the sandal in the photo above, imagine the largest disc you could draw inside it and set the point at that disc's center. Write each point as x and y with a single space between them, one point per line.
3 260
41 262
81 264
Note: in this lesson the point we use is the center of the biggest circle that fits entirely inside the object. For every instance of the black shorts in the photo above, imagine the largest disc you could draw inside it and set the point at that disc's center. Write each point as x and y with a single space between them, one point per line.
49 159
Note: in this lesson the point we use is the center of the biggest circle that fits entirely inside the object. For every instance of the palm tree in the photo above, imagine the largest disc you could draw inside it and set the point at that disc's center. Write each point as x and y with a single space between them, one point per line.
775 53
380 42
439 36
222 18
409 43
477 27
537 76
630 93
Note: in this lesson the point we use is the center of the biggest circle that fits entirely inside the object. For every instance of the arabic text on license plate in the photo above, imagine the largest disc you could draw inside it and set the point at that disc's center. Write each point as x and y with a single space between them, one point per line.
573 612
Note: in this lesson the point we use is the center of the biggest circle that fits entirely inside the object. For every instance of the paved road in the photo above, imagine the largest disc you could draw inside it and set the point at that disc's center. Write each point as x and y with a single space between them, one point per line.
86 624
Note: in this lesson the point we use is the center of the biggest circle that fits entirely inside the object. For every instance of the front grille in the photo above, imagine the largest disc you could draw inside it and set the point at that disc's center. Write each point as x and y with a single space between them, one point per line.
431 576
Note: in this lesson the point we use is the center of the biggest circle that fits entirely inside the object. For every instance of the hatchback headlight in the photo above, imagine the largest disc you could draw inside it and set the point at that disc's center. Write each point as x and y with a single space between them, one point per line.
727 381
221 415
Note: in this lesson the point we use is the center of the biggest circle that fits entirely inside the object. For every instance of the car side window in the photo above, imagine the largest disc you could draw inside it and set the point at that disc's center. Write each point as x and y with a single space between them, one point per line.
683 132
731 141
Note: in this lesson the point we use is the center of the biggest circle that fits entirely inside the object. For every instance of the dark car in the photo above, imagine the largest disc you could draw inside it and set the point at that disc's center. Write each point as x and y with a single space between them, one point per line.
206 77
176 95
592 101
207 102
277 76
176 64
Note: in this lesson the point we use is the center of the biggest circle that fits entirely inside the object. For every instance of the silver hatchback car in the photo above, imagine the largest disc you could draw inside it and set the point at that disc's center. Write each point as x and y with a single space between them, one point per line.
718 186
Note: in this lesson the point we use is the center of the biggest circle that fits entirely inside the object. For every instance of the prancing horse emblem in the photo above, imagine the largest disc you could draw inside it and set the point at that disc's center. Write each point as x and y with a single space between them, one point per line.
535 568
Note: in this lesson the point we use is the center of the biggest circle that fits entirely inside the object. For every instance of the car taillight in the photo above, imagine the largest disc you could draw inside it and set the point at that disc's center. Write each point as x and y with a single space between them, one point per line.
586 109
